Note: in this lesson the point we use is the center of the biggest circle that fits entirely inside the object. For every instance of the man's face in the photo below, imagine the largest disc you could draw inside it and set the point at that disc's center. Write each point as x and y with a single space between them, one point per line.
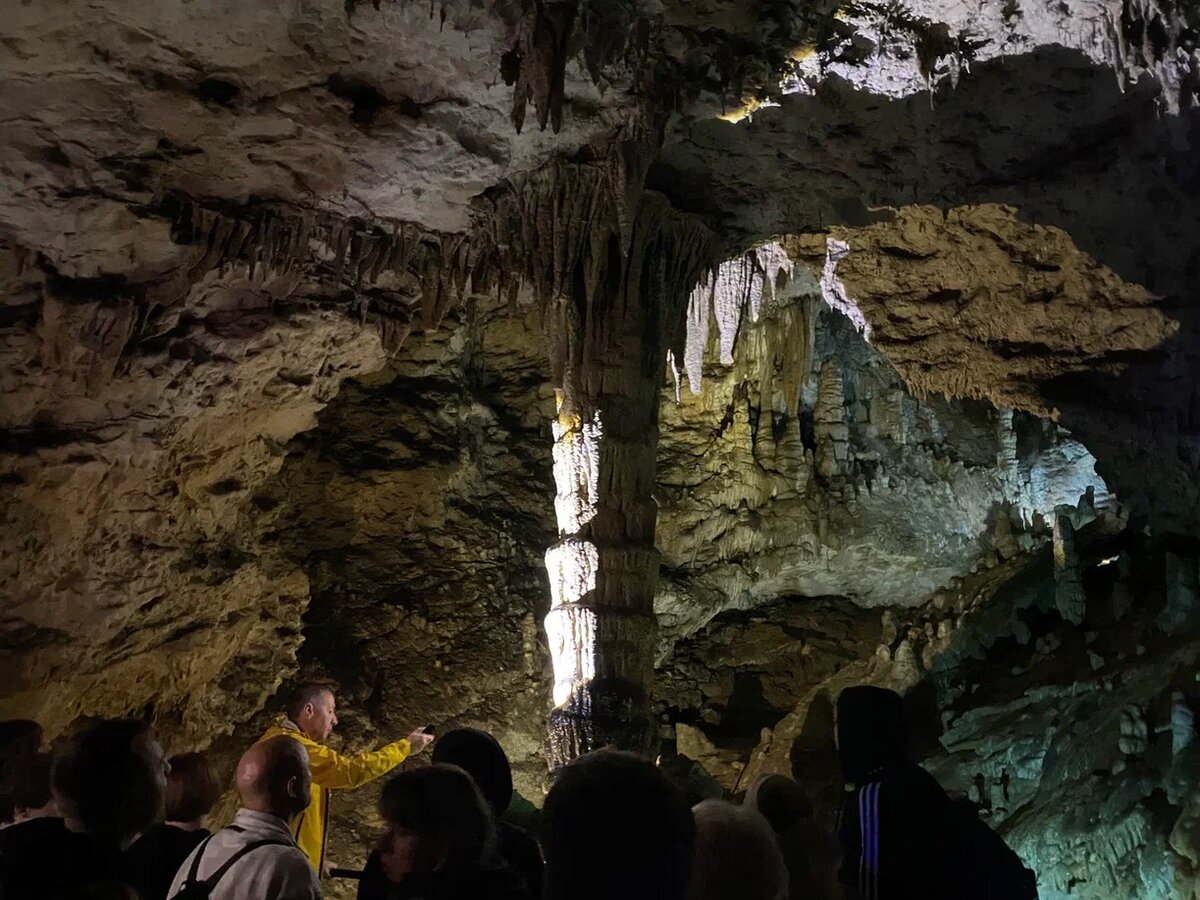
320 716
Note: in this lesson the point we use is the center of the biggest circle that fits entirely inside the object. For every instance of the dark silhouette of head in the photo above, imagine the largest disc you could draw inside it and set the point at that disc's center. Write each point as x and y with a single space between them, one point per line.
615 826
109 779
28 785
313 709
479 755
437 820
18 738
871 733
273 777
192 788
780 800
736 857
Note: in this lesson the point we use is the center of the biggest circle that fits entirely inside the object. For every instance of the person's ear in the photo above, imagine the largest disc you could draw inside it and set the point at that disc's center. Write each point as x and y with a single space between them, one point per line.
293 787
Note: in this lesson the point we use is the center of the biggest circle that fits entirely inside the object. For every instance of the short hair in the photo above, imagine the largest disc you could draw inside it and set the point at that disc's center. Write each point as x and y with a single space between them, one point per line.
102 781
615 826
28 781
304 695
192 787
440 802
19 738
736 855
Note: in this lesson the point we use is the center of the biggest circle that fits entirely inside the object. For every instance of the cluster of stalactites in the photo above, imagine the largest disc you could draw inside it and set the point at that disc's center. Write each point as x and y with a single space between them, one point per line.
744 284
270 240
551 232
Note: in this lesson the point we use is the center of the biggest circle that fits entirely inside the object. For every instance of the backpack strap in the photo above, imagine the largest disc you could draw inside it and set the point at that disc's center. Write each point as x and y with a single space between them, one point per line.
211 881
194 870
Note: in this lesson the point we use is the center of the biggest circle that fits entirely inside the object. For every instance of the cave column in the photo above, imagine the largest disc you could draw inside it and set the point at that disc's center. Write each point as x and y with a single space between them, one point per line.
608 350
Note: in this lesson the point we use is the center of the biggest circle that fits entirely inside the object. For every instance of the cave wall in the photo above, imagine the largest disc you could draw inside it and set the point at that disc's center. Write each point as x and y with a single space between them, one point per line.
132 578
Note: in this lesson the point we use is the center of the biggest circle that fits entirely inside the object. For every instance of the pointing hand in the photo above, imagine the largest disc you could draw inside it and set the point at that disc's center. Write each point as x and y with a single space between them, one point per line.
419 741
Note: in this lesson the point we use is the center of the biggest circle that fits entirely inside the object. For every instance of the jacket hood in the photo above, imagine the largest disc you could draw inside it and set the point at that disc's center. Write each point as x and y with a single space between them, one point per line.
870 731
480 756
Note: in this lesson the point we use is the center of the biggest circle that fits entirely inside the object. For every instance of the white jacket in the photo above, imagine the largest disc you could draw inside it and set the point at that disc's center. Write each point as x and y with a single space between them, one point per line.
272 872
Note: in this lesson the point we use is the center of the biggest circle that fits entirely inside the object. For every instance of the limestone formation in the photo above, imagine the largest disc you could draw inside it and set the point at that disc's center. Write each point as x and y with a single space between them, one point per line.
350 340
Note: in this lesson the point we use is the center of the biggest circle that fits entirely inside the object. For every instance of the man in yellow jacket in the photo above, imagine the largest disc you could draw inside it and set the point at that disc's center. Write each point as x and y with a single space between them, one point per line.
311 715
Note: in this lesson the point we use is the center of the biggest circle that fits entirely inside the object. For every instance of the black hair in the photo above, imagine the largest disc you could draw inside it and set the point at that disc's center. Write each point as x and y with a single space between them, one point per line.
28 781
442 804
615 826
479 755
101 780
871 731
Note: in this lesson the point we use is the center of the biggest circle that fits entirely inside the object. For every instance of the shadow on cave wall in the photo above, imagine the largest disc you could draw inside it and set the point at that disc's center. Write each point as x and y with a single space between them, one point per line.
419 508
1048 132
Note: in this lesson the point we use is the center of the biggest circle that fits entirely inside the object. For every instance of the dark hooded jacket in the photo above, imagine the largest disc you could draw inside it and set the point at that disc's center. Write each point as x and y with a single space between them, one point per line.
892 830
901 836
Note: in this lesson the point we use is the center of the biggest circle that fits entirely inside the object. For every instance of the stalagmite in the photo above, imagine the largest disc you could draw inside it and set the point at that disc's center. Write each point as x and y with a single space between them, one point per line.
1068 582
829 421
1006 458
607 355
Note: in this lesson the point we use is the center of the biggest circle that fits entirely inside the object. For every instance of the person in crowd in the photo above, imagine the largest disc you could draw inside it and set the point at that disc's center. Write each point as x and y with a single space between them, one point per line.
311 716
256 856
480 755
28 787
808 852
440 843
891 824
192 790
901 835
19 738
736 857
614 826
108 782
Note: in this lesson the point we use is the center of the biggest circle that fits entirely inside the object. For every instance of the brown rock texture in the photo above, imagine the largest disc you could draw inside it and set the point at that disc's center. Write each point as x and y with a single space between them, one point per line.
286 290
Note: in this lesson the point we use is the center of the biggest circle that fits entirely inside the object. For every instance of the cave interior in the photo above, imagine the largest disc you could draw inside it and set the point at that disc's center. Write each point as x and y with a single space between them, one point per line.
620 372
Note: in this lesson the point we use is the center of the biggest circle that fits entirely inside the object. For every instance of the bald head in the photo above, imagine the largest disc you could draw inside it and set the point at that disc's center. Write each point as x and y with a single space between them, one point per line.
737 857
273 777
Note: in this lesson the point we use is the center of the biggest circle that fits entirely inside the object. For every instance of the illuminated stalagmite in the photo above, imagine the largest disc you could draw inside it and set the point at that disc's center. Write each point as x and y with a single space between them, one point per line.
608 350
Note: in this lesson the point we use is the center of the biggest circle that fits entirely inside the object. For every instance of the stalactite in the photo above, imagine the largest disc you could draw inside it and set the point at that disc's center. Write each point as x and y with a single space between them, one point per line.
834 291
700 305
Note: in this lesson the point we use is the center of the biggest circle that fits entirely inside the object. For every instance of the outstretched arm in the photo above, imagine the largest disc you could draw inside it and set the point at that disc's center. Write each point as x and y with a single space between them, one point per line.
331 769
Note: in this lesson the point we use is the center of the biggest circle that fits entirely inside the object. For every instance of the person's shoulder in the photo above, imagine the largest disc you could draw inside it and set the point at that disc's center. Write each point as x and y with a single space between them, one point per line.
290 860
23 836
285 729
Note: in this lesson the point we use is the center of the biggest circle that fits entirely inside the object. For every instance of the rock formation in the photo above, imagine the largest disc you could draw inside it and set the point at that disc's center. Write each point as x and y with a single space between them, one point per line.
664 366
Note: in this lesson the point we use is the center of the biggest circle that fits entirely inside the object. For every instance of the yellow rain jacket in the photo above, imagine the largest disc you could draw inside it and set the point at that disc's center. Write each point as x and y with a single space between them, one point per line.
332 771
